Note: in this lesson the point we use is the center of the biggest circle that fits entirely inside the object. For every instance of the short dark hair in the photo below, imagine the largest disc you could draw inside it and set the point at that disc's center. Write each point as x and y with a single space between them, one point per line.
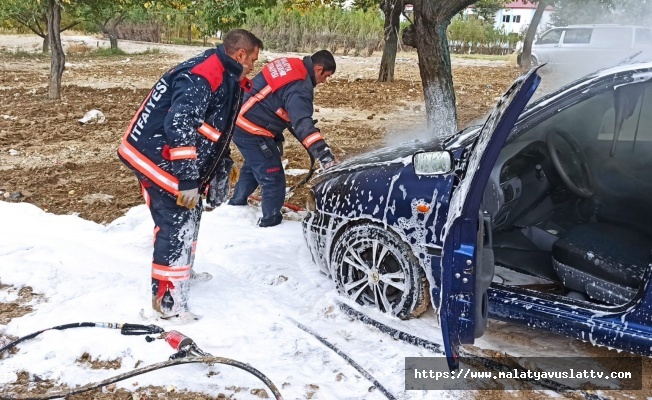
237 39
325 59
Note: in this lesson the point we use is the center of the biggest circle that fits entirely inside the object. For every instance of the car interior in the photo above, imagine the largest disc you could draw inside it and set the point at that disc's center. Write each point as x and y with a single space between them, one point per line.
571 199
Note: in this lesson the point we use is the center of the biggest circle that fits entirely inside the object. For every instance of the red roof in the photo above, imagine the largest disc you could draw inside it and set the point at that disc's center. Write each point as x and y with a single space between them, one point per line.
520 4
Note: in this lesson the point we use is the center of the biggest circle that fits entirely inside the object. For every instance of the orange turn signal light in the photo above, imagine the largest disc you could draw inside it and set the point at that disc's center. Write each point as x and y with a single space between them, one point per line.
424 208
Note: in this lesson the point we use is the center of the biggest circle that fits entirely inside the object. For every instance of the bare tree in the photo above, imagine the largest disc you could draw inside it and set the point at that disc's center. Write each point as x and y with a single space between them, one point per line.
392 10
428 35
58 59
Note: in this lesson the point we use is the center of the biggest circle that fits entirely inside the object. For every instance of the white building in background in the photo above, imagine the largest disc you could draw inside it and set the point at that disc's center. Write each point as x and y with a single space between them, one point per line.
516 16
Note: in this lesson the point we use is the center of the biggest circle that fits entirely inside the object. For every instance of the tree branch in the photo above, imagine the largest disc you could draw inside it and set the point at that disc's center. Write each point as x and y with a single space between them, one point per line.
25 22
39 27
69 26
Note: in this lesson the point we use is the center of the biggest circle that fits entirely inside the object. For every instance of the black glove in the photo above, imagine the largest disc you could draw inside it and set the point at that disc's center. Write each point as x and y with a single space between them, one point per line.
326 158
218 191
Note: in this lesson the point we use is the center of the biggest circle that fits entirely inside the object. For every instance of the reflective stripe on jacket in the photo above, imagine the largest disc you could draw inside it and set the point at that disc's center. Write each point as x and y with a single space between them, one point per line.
282 96
178 133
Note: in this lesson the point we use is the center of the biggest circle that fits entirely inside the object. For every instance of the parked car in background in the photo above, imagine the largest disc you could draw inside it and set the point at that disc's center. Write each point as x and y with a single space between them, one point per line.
590 46
539 217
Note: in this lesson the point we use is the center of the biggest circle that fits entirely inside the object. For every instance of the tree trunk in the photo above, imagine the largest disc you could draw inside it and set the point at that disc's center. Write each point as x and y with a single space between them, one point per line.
392 10
435 67
189 33
113 39
526 55
58 59
46 43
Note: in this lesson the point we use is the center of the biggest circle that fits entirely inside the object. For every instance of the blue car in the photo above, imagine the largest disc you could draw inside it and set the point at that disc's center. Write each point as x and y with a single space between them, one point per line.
542 216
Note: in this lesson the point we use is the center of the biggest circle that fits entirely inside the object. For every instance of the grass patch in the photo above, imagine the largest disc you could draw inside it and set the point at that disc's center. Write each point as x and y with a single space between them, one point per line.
486 57
184 41
108 52
20 53
150 50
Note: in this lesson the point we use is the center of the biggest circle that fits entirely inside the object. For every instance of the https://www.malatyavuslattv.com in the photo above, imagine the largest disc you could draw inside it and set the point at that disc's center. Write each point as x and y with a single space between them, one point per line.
432 373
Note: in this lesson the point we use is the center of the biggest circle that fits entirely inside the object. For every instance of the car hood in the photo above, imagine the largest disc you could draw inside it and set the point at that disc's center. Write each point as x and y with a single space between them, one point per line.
401 154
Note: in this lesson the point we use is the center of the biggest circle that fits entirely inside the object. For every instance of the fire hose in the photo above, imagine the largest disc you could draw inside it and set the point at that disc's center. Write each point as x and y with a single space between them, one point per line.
187 352
470 359
346 358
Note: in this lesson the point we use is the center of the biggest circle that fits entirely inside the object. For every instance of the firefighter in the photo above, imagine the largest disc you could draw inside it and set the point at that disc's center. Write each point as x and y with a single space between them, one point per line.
282 97
178 142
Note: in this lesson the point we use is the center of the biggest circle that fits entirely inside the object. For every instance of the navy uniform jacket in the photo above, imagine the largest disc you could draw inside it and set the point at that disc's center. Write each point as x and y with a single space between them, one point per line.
283 96
179 138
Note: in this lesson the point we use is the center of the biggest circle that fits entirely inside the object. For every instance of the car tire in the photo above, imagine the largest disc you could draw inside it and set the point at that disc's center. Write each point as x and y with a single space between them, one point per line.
533 61
395 284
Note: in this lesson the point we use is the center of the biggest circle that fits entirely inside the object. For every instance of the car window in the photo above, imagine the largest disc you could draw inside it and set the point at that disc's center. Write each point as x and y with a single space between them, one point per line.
578 35
643 36
612 36
579 119
551 37
637 127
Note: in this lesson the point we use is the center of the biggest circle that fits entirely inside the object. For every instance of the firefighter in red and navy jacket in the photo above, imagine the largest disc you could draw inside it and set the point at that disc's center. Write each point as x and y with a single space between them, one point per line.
282 97
178 142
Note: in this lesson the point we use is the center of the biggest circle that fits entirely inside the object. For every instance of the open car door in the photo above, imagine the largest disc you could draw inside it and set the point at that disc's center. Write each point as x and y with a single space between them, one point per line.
467 261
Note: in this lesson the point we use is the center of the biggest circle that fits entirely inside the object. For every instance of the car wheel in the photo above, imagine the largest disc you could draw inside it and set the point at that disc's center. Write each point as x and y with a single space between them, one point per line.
376 267
534 60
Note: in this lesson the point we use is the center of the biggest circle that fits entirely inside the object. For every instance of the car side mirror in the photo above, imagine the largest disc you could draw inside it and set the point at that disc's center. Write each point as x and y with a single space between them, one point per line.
433 162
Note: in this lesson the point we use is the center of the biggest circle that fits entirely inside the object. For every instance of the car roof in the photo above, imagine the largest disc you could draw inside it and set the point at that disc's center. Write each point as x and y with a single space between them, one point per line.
601 26
587 80
634 65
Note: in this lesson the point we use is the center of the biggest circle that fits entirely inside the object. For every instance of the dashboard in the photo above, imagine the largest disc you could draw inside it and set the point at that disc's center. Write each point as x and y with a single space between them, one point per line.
517 182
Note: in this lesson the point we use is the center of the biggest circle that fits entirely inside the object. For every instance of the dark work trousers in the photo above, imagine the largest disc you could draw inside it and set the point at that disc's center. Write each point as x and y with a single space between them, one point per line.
262 167
175 240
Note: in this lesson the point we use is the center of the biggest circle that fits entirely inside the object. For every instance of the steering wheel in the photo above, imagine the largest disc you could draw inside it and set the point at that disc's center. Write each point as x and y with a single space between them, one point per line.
574 164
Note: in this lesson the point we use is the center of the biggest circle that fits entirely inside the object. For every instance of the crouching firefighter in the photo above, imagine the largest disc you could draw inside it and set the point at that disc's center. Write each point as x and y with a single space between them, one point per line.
282 97
178 142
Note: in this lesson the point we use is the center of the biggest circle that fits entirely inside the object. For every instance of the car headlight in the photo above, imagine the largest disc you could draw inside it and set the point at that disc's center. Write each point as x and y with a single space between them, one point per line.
311 202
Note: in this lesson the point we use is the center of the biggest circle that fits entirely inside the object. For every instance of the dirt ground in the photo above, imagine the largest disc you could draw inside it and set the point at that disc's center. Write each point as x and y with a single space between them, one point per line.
49 159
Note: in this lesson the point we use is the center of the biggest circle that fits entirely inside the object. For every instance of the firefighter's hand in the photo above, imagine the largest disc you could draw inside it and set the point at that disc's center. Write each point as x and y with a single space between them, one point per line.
234 174
328 164
328 159
188 198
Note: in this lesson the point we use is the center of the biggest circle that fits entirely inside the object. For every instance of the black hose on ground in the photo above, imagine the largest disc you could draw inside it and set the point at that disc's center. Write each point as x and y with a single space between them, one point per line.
347 359
132 329
469 358
150 368
125 329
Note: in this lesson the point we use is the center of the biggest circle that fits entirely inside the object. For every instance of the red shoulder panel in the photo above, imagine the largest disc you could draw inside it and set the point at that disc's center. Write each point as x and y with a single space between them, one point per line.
282 71
211 69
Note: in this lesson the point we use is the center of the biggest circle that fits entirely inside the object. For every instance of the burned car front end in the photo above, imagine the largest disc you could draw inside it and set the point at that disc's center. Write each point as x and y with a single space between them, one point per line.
380 191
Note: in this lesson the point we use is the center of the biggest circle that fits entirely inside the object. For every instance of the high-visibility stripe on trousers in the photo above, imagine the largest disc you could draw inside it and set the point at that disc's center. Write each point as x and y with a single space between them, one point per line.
175 236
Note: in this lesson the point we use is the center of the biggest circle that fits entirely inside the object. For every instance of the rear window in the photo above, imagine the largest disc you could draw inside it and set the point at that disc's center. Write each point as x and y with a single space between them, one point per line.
550 37
578 35
643 36
612 37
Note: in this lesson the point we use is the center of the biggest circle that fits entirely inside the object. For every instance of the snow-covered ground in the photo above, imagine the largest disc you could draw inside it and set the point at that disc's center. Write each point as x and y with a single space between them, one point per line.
262 277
